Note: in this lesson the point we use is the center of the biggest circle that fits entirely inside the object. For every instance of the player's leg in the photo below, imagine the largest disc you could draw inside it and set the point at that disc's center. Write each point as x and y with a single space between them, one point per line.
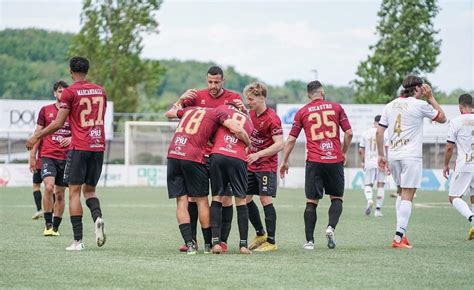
243 223
334 186
267 191
314 190
369 178
380 193
48 204
459 184
59 206
219 180
74 175
227 216
193 215
37 180
254 214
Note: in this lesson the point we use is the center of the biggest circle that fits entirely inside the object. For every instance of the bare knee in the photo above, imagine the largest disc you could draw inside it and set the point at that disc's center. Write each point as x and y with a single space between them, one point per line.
266 200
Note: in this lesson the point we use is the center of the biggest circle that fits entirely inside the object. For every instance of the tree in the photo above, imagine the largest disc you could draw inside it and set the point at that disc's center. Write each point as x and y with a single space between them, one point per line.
111 38
407 45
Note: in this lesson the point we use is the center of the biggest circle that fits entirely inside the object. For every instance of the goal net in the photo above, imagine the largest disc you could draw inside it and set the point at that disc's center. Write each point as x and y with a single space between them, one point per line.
146 142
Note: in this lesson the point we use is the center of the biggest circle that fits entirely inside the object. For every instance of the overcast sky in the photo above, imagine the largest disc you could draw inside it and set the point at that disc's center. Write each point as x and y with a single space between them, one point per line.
272 40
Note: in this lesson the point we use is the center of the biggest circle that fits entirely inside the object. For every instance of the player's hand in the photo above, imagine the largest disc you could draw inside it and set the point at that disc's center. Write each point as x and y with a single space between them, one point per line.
32 164
240 105
31 142
446 172
65 142
382 162
283 169
427 92
251 158
189 94
344 156
363 164
387 171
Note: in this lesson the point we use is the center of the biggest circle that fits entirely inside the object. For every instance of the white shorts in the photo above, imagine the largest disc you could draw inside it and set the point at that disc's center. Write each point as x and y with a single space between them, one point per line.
407 173
373 175
460 183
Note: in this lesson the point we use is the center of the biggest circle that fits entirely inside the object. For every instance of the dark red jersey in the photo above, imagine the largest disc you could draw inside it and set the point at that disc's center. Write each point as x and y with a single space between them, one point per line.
86 103
38 156
266 125
51 146
321 120
193 132
225 142
205 100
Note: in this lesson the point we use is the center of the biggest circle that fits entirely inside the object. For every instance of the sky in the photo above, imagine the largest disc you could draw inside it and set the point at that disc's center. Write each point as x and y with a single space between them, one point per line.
274 41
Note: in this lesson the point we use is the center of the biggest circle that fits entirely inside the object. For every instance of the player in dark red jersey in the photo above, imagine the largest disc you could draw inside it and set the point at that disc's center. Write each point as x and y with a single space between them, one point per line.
53 153
325 159
267 141
229 166
85 104
213 96
187 175
35 168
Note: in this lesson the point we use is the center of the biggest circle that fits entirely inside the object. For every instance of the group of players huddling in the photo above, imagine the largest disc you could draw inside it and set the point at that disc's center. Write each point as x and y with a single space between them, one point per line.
235 149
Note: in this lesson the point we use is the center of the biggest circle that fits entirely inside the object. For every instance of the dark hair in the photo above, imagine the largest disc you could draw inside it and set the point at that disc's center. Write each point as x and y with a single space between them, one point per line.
79 64
58 84
377 118
215 70
410 83
313 86
465 100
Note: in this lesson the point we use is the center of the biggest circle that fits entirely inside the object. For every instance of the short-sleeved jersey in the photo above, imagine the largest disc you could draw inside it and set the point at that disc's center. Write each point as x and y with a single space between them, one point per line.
321 120
461 133
193 132
225 142
403 118
266 126
86 103
51 147
369 143
205 100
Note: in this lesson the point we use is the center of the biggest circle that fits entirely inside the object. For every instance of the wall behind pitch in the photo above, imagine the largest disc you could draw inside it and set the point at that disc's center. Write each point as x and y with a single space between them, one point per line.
12 175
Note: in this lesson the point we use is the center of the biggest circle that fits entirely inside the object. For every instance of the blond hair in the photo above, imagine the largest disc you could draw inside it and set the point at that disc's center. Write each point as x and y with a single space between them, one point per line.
256 89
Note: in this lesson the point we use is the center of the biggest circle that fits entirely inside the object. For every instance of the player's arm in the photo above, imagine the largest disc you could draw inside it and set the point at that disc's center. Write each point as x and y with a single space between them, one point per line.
53 127
347 142
379 136
238 131
448 153
362 155
173 112
427 92
277 146
289 145
188 95
34 151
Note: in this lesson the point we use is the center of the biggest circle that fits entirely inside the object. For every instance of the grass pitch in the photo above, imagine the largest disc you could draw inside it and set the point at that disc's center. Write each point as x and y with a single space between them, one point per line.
143 237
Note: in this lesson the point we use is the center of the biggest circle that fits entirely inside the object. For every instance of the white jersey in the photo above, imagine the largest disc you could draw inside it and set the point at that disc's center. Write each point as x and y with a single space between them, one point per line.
461 132
369 143
403 118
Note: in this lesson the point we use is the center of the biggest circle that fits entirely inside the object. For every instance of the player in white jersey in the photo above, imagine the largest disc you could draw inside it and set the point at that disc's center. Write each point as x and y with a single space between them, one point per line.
461 133
372 174
403 118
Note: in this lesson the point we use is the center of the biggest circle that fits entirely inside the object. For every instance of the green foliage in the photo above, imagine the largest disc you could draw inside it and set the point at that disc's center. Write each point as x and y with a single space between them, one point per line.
406 45
111 38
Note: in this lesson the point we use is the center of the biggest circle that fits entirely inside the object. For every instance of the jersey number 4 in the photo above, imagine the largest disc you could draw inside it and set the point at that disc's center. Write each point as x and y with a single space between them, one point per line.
331 131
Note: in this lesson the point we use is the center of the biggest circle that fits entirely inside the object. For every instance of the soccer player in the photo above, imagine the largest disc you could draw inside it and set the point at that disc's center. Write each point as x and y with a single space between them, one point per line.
368 156
187 175
403 117
53 153
213 96
229 166
267 141
325 159
461 133
35 168
85 104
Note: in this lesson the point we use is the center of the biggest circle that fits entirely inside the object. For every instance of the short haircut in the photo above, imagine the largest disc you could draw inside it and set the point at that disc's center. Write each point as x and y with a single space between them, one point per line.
465 100
58 84
215 70
79 64
377 118
313 86
410 83
256 89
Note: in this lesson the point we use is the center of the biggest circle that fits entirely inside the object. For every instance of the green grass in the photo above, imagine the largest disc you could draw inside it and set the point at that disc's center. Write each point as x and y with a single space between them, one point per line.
142 240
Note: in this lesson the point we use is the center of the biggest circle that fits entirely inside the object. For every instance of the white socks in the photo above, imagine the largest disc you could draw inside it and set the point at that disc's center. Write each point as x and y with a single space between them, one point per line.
403 216
368 192
380 197
462 207
397 203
